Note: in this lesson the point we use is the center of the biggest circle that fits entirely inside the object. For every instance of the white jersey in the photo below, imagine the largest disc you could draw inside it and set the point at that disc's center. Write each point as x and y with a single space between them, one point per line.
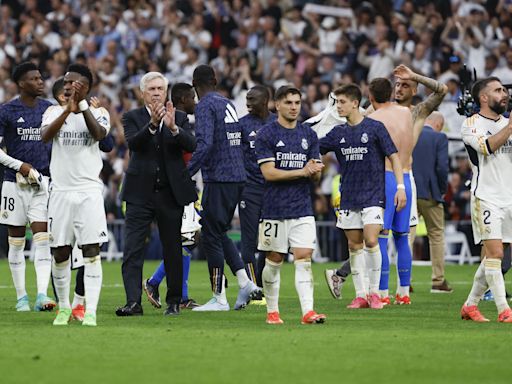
492 172
76 162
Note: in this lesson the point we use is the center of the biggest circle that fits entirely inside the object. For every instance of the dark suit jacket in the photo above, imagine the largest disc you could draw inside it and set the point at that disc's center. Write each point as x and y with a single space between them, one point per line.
430 164
140 176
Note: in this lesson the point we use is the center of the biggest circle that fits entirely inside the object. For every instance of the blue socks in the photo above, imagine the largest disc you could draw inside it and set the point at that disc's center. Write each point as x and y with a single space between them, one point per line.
384 272
186 269
159 274
404 262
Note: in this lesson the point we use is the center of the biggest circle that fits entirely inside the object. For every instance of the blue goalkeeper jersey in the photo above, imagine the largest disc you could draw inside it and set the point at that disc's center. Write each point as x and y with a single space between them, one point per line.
250 125
20 126
361 151
289 149
219 141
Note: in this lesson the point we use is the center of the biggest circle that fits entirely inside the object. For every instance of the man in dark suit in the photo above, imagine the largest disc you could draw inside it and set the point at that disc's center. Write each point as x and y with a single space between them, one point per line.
430 168
157 185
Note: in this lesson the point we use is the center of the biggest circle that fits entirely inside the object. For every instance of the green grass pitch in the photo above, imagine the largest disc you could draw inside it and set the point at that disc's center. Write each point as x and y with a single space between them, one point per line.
422 343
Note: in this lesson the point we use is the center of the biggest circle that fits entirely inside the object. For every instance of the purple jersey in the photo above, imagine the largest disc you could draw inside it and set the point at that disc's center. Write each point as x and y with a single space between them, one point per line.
250 125
20 127
361 151
289 149
219 141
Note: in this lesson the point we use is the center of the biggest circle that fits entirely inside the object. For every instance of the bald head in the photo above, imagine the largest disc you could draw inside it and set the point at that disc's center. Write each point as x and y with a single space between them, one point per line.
435 120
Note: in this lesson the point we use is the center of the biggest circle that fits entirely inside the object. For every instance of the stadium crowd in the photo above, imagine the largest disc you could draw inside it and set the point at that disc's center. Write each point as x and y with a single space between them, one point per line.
269 42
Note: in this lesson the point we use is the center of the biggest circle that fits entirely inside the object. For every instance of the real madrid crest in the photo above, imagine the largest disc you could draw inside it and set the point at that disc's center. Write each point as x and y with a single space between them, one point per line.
304 144
242 204
5 215
364 138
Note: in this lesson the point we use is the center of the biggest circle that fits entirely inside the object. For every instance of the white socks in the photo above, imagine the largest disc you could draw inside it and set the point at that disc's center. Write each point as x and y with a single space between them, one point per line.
479 286
221 297
357 265
93 276
242 277
271 277
61 280
402 291
77 300
42 261
304 284
17 264
496 282
373 260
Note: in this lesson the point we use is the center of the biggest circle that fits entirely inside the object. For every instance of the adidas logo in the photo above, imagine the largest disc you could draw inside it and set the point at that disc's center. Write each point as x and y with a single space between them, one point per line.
253 133
231 116
280 144
20 120
413 218
103 234
342 141
378 217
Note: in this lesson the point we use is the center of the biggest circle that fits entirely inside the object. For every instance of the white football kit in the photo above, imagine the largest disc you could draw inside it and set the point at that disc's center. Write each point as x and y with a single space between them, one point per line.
76 210
491 201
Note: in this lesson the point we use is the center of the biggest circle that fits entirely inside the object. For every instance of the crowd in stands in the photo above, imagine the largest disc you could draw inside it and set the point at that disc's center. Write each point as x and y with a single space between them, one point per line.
260 41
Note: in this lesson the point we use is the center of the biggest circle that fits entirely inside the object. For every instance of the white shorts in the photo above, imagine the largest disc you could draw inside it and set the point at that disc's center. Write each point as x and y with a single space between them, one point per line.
490 221
190 225
76 217
358 218
413 221
20 205
281 235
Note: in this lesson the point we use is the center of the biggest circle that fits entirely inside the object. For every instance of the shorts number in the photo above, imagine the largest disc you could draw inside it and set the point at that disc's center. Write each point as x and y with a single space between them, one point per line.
487 214
8 203
268 229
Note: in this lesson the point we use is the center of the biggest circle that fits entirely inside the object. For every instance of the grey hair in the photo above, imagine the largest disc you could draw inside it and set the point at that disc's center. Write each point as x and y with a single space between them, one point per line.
152 76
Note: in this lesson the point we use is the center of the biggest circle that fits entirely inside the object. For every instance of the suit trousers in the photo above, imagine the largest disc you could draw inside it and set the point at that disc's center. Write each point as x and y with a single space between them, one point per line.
163 207
433 214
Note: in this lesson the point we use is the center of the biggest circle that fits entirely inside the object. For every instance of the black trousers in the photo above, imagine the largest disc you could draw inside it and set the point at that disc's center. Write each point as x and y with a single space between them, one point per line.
163 207
219 203
250 212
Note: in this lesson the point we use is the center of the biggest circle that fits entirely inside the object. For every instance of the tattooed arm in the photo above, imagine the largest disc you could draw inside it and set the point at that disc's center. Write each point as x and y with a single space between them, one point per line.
421 111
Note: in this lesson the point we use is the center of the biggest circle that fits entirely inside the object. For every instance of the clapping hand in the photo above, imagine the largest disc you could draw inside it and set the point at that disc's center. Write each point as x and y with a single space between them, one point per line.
169 116
313 167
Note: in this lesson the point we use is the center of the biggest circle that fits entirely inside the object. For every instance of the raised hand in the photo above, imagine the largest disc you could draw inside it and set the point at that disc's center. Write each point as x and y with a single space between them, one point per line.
72 105
403 72
80 90
95 102
170 116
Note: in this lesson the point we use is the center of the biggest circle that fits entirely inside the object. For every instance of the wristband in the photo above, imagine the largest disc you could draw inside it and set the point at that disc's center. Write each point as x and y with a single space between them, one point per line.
400 186
83 105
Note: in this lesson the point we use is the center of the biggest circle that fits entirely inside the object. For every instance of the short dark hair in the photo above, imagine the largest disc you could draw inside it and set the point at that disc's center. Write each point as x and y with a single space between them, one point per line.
58 87
479 85
286 90
82 70
351 90
178 91
381 89
21 69
261 89
204 75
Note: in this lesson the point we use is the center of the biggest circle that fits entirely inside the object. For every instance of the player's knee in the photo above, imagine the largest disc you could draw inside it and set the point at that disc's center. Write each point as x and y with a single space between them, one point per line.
274 257
60 254
41 239
91 250
354 246
303 254
371 242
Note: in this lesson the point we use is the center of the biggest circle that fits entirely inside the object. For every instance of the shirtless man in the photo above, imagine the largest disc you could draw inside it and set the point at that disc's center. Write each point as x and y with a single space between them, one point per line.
398 122
405 87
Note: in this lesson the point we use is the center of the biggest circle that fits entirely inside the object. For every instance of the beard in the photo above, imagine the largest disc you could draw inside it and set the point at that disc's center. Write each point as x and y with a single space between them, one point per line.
496 107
